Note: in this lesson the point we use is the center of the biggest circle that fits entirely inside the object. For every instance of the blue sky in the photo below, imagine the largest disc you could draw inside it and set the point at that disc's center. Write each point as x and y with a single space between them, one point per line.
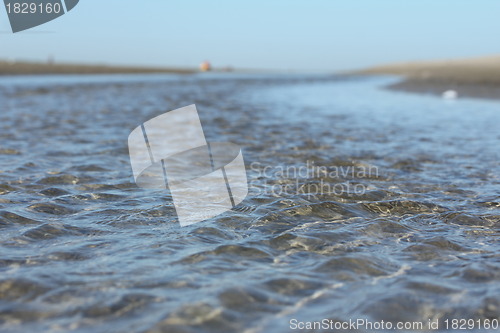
264 34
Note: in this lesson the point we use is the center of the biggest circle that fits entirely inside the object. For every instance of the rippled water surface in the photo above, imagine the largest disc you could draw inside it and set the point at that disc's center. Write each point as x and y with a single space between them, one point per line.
83 249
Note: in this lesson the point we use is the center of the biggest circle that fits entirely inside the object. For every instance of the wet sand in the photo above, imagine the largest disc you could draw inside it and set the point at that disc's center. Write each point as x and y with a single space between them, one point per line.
475 78
32 68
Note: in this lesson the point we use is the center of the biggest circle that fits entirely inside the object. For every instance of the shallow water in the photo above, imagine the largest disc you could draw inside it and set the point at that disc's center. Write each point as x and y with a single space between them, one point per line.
84 250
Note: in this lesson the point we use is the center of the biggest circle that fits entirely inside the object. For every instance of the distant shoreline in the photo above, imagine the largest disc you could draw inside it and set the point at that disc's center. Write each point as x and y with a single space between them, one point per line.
33 68
475 78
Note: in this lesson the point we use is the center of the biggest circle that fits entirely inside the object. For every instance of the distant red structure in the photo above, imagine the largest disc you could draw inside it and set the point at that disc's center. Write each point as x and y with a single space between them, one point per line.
205 66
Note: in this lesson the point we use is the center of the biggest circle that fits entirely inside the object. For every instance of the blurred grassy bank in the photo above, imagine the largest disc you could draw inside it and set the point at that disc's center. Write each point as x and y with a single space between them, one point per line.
32 68
477 78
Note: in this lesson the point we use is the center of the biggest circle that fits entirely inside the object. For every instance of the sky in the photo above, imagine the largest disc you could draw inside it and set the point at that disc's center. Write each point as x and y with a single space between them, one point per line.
297 35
